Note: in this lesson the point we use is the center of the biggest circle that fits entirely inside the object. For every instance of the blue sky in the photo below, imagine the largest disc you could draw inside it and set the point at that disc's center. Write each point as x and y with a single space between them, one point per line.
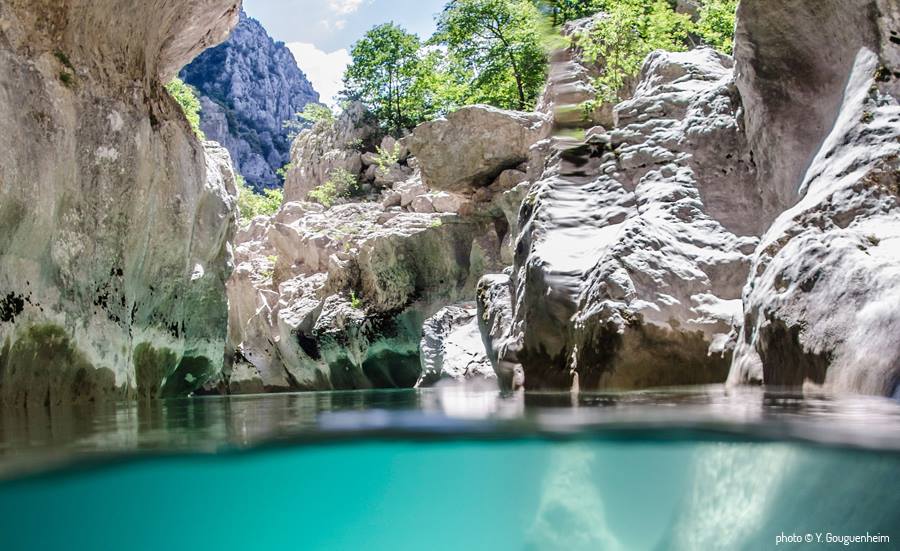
321 32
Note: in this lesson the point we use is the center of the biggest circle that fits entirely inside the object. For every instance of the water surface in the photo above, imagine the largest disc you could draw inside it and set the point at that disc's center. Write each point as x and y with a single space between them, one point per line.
451 469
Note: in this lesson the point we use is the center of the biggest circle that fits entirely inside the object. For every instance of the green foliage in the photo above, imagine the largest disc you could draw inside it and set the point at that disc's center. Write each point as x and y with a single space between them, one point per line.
716 24
495 49
561 11
316 113
187 100
621 41
66 76
341 183
252 204
385 159
436 223
355 301
283 171
385 74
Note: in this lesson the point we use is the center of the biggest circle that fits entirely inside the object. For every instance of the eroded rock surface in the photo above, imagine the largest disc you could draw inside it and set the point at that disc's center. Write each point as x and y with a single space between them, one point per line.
452 348
114 219
337 298
822 305
634 245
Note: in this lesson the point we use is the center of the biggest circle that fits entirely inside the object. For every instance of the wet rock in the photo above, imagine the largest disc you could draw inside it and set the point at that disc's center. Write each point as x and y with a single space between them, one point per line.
117 238
452 349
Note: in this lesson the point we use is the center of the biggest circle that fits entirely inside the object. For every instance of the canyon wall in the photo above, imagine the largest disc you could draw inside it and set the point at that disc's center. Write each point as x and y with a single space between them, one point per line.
115 218
249 86
740 217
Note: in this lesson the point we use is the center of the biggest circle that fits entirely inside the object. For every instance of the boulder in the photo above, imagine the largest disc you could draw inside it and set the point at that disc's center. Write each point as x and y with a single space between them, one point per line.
472 146
452 349
114 218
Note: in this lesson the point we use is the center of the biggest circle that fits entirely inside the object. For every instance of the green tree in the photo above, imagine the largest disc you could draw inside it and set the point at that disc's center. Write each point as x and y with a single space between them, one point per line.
252 204
622 40
498 44
385 74
716 24
187 100
561 11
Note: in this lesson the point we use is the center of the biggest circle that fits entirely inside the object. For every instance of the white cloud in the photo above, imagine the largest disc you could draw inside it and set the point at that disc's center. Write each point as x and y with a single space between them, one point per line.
344 7
325 70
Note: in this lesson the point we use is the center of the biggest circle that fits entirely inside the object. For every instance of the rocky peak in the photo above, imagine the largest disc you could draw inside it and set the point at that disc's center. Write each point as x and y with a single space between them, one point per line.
250 85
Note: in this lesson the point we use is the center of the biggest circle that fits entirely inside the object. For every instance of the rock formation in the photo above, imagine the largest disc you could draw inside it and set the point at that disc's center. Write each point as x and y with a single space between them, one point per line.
250 85
634 249
779 176
822 305
114 219
337 297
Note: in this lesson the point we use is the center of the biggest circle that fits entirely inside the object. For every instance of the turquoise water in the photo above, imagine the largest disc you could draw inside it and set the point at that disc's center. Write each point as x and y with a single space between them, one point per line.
455 471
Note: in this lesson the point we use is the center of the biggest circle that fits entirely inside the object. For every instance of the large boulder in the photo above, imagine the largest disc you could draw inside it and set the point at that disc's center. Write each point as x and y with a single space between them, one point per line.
451 348
114 218
822 306
472 146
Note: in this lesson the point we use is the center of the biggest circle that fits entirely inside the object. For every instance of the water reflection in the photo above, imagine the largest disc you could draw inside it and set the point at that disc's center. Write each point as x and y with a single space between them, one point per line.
31 437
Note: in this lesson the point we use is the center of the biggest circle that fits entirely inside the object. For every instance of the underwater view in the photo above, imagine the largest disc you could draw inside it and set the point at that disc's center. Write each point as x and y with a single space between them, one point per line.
455 468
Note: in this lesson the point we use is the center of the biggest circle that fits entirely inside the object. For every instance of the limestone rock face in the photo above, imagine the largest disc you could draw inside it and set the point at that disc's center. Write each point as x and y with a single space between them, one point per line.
452 349
114 219
250 86
473 145
317 153
337 298
822 305
636 243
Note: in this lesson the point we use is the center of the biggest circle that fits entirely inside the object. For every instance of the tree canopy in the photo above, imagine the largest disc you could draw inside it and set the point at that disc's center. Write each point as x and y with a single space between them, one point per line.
495 52
385 74
496 47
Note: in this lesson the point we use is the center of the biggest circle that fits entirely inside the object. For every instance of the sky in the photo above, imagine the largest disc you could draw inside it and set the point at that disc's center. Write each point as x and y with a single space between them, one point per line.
321 32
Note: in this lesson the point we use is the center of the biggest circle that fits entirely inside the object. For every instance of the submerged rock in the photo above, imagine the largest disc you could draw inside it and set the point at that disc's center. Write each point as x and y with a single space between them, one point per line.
114 219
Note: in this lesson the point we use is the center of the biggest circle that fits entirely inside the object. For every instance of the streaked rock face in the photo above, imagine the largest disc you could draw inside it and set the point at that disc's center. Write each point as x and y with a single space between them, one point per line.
822 305
114 219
